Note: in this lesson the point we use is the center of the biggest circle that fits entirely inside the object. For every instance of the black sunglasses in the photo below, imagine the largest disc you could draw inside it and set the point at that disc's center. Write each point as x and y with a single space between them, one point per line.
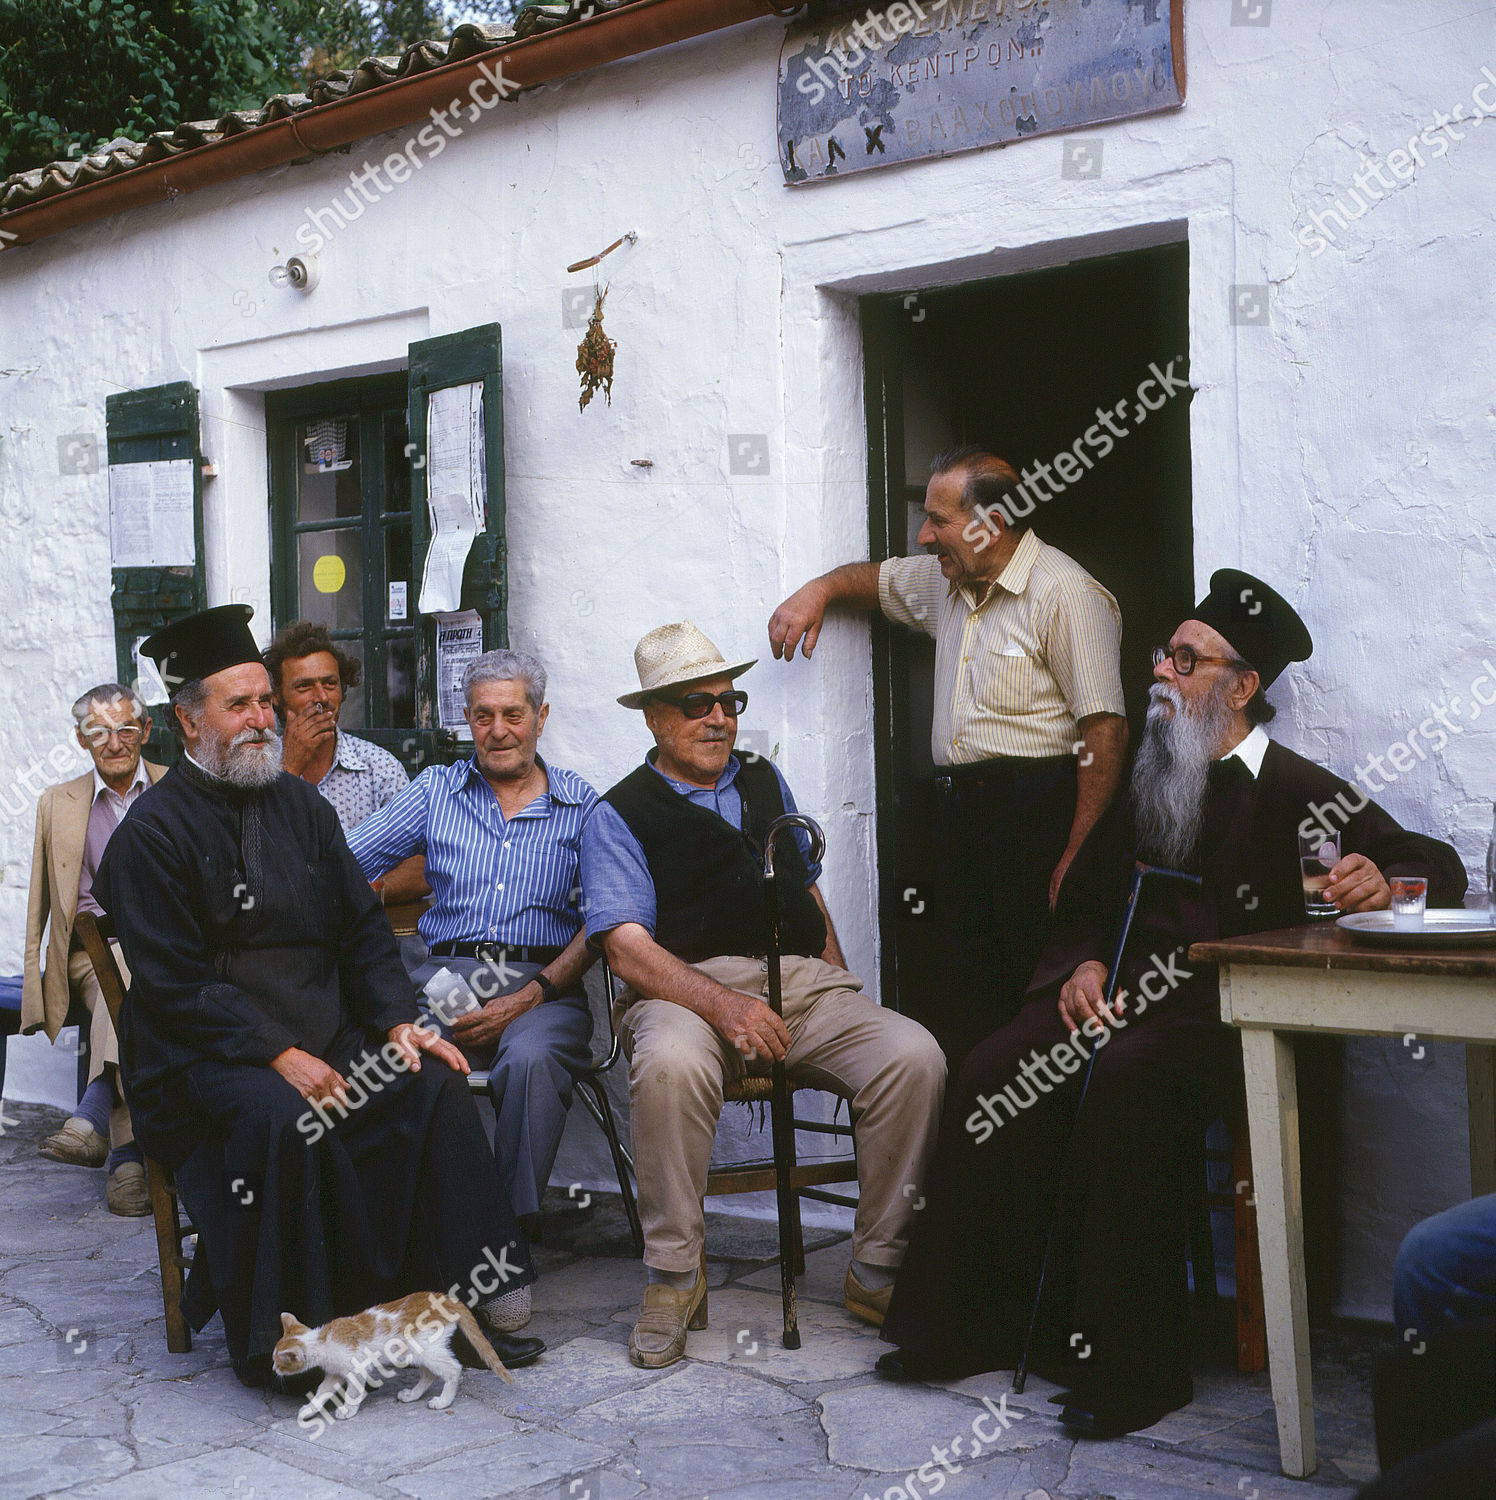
699 705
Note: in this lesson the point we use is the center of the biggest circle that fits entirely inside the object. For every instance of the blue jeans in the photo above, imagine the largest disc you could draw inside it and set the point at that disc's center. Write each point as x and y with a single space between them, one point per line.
529 1077
1446 1269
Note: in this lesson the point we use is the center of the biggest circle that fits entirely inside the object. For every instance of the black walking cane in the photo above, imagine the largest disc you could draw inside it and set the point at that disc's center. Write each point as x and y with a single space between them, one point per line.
781 1109
1140 872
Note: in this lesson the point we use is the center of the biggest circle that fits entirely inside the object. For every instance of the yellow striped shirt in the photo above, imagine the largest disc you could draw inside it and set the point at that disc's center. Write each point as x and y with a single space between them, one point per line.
1018 664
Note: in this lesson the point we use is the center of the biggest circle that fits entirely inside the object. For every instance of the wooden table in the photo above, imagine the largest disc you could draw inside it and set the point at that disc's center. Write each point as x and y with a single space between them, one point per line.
1321 979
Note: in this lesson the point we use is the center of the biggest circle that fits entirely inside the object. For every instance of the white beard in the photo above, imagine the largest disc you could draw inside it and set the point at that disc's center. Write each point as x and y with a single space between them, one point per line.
1170 771
251 759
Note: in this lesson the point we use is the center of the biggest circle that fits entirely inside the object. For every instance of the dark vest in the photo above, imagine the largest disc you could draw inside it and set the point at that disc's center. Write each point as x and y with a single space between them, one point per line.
708 876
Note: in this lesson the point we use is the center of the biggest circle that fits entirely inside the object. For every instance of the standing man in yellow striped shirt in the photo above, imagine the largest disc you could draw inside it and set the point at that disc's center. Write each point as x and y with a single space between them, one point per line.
1029 736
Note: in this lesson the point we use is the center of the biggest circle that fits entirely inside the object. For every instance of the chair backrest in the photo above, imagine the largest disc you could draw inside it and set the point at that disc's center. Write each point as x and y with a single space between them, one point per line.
404 916
95 934
603 1001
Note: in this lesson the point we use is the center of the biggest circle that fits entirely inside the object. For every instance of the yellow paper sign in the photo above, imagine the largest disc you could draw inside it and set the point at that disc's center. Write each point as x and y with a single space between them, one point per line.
329 573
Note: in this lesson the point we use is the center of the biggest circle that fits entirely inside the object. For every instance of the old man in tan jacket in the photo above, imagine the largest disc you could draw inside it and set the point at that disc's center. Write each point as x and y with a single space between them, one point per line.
73 823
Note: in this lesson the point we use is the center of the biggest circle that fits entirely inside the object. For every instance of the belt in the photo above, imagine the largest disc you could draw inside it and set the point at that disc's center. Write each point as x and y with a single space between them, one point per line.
516 953
1000 768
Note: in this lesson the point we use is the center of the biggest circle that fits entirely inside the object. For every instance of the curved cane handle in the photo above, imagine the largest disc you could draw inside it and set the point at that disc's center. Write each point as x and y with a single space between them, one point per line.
792 820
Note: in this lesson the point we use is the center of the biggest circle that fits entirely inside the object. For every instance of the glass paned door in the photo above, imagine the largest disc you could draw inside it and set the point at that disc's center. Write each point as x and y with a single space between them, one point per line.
340 507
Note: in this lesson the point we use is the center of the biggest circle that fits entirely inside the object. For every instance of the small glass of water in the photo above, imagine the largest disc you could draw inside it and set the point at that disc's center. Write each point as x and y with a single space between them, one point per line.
1409 899
1319 853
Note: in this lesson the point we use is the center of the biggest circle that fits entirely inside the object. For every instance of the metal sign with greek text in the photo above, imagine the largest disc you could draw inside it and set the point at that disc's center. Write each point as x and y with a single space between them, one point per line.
889 83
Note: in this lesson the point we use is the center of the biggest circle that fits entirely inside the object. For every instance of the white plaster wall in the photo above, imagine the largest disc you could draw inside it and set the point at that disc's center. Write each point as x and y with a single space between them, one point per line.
1343 452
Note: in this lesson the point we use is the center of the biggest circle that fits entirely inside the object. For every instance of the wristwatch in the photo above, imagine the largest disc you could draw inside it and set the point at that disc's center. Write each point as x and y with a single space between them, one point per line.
548 991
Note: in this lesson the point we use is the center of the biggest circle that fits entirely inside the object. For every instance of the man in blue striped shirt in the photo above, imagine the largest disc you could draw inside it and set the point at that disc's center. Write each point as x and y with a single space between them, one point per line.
501 834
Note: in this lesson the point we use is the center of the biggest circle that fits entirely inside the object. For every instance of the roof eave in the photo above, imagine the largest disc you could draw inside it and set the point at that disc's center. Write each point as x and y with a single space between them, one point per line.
526 62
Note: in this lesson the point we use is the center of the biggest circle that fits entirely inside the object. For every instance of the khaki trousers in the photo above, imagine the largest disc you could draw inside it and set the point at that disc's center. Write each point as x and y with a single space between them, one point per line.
890 1069
102 1046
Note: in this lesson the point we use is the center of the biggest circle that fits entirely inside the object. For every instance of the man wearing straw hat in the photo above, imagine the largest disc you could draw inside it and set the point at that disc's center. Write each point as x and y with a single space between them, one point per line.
671 868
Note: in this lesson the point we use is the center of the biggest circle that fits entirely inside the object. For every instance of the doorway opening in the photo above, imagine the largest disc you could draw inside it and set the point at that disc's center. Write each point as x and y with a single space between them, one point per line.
1021 364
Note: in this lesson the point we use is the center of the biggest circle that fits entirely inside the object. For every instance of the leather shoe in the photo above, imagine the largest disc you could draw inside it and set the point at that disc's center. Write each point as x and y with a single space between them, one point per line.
865 1303
126 1192
1105 1417
659 1336
906 1365
514 1351
77 1143
257 1372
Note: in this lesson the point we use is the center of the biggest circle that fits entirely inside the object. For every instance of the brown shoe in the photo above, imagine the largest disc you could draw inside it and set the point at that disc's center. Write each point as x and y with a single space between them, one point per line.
126 1192
77 1143
862 1302
659 1337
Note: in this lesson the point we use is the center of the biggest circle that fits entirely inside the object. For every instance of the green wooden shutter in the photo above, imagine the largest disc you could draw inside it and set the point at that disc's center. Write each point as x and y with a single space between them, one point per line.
473 355
158 423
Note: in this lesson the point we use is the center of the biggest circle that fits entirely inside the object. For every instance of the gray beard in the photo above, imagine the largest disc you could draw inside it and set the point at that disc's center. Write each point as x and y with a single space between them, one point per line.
1169 775
248 760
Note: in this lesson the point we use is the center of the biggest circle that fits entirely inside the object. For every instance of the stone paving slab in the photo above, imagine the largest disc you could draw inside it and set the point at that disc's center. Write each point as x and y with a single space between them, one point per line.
741 1418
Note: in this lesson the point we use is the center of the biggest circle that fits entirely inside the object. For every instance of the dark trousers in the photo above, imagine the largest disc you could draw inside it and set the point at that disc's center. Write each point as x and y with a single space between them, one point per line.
1001 828
1460 1468
1116 1312
403 1195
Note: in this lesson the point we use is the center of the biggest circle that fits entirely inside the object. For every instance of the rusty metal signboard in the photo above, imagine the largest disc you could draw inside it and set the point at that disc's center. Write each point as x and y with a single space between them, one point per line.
869 86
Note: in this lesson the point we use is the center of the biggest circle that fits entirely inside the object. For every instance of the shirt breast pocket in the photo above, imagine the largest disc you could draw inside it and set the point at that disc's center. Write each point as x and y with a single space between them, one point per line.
1011 681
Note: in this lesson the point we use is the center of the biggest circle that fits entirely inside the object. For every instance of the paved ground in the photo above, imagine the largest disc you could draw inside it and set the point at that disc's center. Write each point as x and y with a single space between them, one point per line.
92 1404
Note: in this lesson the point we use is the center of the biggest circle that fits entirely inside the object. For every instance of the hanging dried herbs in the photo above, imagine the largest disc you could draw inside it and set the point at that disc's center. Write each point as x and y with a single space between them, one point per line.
595 357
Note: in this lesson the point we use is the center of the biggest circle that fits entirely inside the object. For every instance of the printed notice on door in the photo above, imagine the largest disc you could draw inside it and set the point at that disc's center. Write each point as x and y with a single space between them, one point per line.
459 640
150 515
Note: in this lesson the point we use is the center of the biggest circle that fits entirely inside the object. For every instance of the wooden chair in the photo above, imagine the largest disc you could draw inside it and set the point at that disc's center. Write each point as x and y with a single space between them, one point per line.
1251 1322
808 1180
591 1088
171 1228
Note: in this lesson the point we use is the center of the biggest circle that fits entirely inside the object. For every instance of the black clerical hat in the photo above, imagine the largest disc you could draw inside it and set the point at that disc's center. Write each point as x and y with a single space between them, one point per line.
203 644
1263 628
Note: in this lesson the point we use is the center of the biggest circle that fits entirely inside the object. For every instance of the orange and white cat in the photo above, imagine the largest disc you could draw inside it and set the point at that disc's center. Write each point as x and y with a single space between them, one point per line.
367 1348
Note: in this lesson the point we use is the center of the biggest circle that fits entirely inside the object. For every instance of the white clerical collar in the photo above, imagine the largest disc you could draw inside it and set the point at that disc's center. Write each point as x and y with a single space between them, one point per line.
139 779
212 776
1251 750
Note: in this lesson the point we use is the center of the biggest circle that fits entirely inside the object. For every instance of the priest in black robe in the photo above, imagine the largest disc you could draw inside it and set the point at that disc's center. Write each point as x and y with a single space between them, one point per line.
1213 796
325 1146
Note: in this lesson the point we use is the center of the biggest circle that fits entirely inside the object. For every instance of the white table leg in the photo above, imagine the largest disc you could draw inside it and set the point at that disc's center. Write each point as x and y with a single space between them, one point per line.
1273 1121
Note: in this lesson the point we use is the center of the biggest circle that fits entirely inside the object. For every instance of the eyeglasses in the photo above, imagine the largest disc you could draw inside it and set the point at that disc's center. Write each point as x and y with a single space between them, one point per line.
699 705
1186 659
129 735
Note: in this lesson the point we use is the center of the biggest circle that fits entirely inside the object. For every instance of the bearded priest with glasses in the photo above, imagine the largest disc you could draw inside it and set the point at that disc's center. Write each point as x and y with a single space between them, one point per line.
1213 796
672 870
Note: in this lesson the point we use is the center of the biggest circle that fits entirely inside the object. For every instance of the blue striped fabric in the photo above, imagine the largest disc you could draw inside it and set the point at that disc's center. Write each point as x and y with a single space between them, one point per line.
510 882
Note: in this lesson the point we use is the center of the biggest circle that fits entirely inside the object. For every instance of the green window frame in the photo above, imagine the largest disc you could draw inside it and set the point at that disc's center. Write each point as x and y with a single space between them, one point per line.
391 496
361 524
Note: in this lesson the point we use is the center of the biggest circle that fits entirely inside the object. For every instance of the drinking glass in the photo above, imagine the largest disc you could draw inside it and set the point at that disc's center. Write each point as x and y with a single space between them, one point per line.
1319 853
1409 899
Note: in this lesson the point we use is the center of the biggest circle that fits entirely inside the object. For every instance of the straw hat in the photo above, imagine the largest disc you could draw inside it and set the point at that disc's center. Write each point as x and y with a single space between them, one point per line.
674 655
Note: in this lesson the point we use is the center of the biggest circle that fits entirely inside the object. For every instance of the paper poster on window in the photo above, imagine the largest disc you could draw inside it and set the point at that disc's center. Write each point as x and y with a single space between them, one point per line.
148 681
456 491
150 514
459 639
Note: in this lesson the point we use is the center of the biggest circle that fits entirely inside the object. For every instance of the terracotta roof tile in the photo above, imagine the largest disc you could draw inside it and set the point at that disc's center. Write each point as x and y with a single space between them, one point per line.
468 40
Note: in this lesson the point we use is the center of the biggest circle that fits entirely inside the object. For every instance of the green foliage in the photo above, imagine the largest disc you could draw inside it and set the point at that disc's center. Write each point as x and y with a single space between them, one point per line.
75 74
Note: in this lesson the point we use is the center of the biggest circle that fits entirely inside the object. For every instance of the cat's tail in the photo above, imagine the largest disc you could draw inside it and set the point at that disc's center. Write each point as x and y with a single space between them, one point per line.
479 1340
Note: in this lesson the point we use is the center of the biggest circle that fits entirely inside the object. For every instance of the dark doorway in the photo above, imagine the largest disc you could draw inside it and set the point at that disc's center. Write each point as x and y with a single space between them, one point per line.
1021 364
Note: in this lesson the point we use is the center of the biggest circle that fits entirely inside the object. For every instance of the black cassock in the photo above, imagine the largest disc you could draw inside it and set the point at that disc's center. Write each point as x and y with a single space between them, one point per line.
1115 1325
249 929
